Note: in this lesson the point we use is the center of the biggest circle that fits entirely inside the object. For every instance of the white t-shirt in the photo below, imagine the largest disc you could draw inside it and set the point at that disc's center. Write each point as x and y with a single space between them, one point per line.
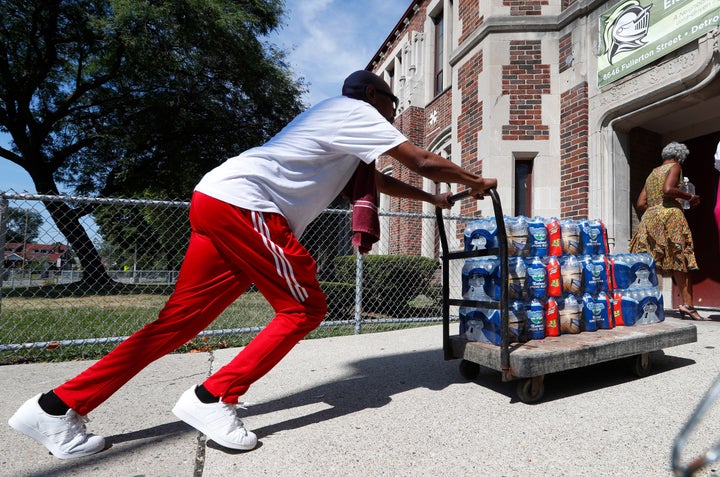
301 170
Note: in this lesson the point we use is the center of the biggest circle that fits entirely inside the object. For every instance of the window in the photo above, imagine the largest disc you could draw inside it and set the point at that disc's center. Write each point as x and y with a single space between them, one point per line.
439 53
523 187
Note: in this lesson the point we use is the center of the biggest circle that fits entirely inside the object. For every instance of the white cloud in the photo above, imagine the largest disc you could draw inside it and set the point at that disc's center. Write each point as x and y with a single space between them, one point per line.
329 39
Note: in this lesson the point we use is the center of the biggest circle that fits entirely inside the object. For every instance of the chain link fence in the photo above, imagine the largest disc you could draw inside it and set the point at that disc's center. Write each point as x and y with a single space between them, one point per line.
81 274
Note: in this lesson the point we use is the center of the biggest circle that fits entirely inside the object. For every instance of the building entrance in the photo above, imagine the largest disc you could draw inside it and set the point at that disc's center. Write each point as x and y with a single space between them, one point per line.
693 119
700 169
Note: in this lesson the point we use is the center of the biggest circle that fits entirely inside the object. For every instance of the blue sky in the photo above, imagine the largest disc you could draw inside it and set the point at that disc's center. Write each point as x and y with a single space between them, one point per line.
325 39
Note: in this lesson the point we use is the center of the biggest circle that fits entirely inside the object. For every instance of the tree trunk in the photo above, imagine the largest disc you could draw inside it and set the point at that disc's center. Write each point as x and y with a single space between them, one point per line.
67 221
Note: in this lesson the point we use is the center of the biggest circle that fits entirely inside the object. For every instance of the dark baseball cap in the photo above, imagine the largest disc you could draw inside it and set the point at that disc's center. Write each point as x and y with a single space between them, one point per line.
356 84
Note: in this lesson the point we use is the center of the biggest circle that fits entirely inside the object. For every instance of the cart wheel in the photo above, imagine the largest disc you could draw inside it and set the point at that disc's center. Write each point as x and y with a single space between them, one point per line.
469 370
531 390
641 365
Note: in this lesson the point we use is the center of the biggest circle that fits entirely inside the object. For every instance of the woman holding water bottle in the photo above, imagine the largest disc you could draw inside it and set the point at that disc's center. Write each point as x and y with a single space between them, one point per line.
663 231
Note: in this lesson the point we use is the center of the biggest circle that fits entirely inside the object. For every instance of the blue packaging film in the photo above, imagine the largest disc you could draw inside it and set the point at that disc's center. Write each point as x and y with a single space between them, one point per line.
481 279
595 278
592 237
634 270
480 234
482 324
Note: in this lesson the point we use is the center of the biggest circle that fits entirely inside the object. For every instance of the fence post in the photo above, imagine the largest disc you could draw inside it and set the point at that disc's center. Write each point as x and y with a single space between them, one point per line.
3 231
358 292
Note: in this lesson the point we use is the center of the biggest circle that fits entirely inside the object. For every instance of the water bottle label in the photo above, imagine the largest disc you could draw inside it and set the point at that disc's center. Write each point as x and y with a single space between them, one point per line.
537 234
591 312
552 318
554 238
536 325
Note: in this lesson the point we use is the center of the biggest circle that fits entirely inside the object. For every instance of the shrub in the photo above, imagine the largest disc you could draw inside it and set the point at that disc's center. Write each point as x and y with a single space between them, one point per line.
390 282
340 300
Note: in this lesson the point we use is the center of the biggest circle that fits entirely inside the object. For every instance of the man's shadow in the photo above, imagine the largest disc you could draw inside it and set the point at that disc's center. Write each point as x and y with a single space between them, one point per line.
375 380
371 384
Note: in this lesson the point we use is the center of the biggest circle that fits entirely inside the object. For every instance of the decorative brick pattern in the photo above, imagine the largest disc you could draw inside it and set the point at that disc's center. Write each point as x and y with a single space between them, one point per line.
438 117
525 80
567 3
525 7
565 50
574 169
416 22
469 15
470 118
405 233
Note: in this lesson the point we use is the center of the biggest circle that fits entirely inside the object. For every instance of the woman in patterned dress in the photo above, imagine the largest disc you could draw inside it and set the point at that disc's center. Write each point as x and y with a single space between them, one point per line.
663 232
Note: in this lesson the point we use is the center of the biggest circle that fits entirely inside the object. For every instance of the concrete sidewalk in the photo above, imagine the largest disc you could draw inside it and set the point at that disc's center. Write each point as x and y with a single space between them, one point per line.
387 404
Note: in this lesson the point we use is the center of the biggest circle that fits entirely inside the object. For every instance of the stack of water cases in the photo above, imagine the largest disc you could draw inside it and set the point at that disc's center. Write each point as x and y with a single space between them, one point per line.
562 281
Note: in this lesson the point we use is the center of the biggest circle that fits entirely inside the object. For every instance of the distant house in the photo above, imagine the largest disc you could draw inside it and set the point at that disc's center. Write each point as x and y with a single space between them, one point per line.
16 254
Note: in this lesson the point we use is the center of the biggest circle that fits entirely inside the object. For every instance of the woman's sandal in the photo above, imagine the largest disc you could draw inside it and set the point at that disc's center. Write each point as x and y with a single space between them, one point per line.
688 312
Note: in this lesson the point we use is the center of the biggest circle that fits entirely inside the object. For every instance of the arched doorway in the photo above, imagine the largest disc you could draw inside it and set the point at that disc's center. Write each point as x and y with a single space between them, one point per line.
693 119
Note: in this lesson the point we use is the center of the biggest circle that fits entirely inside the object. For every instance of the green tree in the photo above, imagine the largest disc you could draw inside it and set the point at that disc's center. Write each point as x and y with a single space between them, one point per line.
136 98
23 225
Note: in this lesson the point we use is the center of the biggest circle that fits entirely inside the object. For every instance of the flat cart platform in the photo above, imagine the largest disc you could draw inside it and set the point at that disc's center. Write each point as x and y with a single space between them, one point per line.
529 362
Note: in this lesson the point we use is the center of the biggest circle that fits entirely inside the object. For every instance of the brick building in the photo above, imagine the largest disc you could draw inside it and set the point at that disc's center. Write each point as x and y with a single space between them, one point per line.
567 102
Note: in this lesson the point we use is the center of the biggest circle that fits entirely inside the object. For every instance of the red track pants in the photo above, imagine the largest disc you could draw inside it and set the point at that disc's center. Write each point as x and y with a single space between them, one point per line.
229 249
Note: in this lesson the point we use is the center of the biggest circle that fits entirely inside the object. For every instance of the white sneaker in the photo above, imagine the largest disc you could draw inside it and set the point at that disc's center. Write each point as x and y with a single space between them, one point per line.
219 421
64 436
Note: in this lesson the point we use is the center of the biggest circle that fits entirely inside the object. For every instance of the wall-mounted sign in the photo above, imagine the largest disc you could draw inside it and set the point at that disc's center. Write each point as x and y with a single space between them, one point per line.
635 33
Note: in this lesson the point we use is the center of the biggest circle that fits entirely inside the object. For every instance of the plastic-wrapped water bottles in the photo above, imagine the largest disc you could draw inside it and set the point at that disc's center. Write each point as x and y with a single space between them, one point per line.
571 272
537 237
570 231
535 319
606 321
594 273
555 248
480 324
590 312
593 237
536 278
597 312
517 321
650 306
481 234
570 311
480 280
639 306
561 281
517 235
554 276
634 270
517 272
552 317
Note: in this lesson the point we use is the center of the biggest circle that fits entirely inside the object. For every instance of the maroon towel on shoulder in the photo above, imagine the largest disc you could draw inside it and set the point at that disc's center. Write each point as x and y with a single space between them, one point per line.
362 192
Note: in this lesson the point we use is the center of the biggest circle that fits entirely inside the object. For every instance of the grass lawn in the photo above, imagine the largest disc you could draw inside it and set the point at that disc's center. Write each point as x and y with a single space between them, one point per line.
64 323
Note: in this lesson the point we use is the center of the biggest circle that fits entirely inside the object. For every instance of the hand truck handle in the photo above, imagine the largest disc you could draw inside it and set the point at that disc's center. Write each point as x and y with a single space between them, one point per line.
466 193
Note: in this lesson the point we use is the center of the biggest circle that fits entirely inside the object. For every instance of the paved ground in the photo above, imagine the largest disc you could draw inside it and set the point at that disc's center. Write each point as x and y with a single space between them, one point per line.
388 405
